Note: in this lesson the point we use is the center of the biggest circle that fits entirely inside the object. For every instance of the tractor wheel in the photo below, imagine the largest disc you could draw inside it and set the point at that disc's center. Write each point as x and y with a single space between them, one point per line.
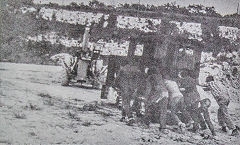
104 92
96 84
65 79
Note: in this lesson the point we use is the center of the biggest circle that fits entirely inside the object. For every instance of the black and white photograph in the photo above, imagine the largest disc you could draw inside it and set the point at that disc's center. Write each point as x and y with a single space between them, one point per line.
127 72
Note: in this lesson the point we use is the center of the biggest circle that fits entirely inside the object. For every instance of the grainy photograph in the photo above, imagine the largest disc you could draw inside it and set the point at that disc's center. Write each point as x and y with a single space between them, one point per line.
108 72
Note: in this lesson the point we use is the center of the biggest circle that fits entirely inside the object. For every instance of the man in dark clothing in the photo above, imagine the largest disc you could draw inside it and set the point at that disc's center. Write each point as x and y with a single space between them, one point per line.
220 94
129 82
191 96
156 99
199 115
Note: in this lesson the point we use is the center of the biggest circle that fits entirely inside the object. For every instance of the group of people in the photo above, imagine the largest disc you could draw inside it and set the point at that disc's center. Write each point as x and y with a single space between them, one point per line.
155 96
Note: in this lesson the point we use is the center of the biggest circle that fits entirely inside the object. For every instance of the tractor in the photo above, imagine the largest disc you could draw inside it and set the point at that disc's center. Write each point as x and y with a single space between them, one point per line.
81 70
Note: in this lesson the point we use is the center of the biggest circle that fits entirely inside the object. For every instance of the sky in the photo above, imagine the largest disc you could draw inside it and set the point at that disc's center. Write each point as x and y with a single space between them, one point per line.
223 7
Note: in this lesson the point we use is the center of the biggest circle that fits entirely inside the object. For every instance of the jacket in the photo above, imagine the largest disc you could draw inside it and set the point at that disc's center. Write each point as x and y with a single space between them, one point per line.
190 93
219 92
155 88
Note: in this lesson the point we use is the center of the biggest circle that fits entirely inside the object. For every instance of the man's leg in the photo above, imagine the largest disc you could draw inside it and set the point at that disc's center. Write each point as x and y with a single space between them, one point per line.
202 121
195 116
125 102
173 109
149 113
163 112
125 106
175 106
186 115
221 120
198 118
226 116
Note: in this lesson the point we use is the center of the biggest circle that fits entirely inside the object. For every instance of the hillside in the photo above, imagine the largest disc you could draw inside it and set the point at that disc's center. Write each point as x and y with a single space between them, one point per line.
33 32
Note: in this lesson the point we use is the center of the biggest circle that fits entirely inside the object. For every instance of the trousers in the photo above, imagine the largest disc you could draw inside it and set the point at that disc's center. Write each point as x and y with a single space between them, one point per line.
157 112
224 119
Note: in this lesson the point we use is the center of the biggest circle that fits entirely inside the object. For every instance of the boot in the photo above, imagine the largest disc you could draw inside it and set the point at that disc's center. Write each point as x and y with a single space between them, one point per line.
130 121
224 129
164 130
123 119
235 131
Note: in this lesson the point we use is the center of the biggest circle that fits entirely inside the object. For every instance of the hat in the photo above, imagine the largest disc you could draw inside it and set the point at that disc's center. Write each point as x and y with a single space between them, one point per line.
209 78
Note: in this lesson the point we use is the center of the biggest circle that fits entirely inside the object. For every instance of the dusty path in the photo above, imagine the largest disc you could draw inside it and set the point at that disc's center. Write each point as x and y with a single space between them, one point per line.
35 109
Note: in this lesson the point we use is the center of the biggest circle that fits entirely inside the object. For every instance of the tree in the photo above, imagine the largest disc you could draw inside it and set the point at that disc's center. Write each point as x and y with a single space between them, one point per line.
96 4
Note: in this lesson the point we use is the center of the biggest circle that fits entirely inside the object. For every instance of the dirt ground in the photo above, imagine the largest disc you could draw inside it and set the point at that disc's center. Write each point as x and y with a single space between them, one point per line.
35 109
